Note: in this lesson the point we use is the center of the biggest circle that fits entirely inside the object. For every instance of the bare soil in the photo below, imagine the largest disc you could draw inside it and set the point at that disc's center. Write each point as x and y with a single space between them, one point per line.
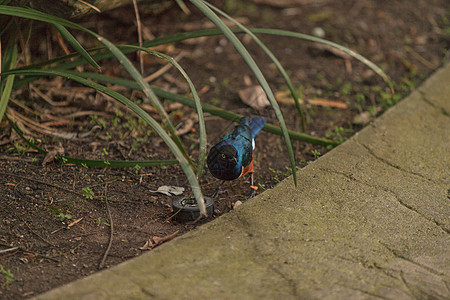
53 230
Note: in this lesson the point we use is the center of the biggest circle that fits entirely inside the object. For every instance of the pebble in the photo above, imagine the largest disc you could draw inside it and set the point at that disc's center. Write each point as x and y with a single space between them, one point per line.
318 31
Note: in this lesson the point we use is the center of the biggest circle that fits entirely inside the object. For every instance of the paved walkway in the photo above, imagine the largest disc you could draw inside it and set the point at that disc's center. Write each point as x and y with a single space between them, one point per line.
369 219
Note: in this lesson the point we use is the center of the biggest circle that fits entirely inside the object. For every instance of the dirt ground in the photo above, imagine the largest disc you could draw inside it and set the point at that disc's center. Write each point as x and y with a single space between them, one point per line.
57 219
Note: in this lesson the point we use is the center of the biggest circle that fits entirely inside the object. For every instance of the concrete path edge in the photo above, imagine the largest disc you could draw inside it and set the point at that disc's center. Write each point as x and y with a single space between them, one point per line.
370 219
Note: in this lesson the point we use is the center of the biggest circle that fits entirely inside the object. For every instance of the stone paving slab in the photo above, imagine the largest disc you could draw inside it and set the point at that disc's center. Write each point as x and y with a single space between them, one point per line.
370 219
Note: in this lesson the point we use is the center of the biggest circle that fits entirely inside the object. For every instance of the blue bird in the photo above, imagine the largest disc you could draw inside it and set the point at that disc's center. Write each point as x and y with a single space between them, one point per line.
232 156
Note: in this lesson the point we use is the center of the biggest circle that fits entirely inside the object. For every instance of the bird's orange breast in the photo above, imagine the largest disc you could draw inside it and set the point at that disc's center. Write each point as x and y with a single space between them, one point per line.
248 169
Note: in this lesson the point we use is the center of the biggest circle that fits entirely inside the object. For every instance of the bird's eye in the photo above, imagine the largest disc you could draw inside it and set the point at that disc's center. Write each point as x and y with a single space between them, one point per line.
223 156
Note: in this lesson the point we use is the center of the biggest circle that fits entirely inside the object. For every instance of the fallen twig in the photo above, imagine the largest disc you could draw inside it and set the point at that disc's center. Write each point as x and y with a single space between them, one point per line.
102 263
106 182
90 5
42 182
164 69
328 103
41 128
12 248
74 222
35 233
156 241
47 98
9 250
139 32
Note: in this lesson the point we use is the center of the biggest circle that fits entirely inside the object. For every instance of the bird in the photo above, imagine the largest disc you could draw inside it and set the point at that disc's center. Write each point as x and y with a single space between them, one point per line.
232 156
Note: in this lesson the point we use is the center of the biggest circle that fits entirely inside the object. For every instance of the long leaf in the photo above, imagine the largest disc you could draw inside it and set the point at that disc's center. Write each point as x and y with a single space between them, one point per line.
141 113
272 57
228 115
36 15
179 152
146 89
6 92
33 14
39 16
346 50
255 69
95 163
212 32
73 41
214 110
197 102
7 87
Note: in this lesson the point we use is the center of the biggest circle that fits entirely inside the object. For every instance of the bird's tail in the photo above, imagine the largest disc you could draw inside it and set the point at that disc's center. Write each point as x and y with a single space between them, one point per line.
256 123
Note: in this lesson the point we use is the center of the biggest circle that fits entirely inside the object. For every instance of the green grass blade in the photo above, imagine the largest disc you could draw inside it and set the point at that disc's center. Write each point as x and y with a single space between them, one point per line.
228 115
7 27
346 50
197 102
212 32
73 41
146 89
214 110
255 69
94 162
277 32
20 133
272 57
183 7
180 152
7 59
6 86
141 113
33 14
97 163
39 16
6 92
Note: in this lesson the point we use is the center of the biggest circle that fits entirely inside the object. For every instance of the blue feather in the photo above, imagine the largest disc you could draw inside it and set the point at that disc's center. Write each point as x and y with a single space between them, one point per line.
256 124
233 152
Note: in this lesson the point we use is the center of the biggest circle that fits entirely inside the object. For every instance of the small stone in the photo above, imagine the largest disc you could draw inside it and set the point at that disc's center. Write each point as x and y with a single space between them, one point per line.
318 31
237 203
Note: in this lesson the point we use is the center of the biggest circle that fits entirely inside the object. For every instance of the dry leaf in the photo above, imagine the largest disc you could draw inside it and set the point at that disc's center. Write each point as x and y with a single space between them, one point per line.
147 246
338 53
22 121
288 3
74 222
254 96
247 80
237 203
180 83
335 51
285 97
362 119
365 117
170 190
50 156
187 126
204 89
157 240
174 106
328 103
208 24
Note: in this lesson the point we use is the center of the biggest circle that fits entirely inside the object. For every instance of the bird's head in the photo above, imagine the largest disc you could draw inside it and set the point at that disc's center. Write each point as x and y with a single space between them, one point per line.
227 155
